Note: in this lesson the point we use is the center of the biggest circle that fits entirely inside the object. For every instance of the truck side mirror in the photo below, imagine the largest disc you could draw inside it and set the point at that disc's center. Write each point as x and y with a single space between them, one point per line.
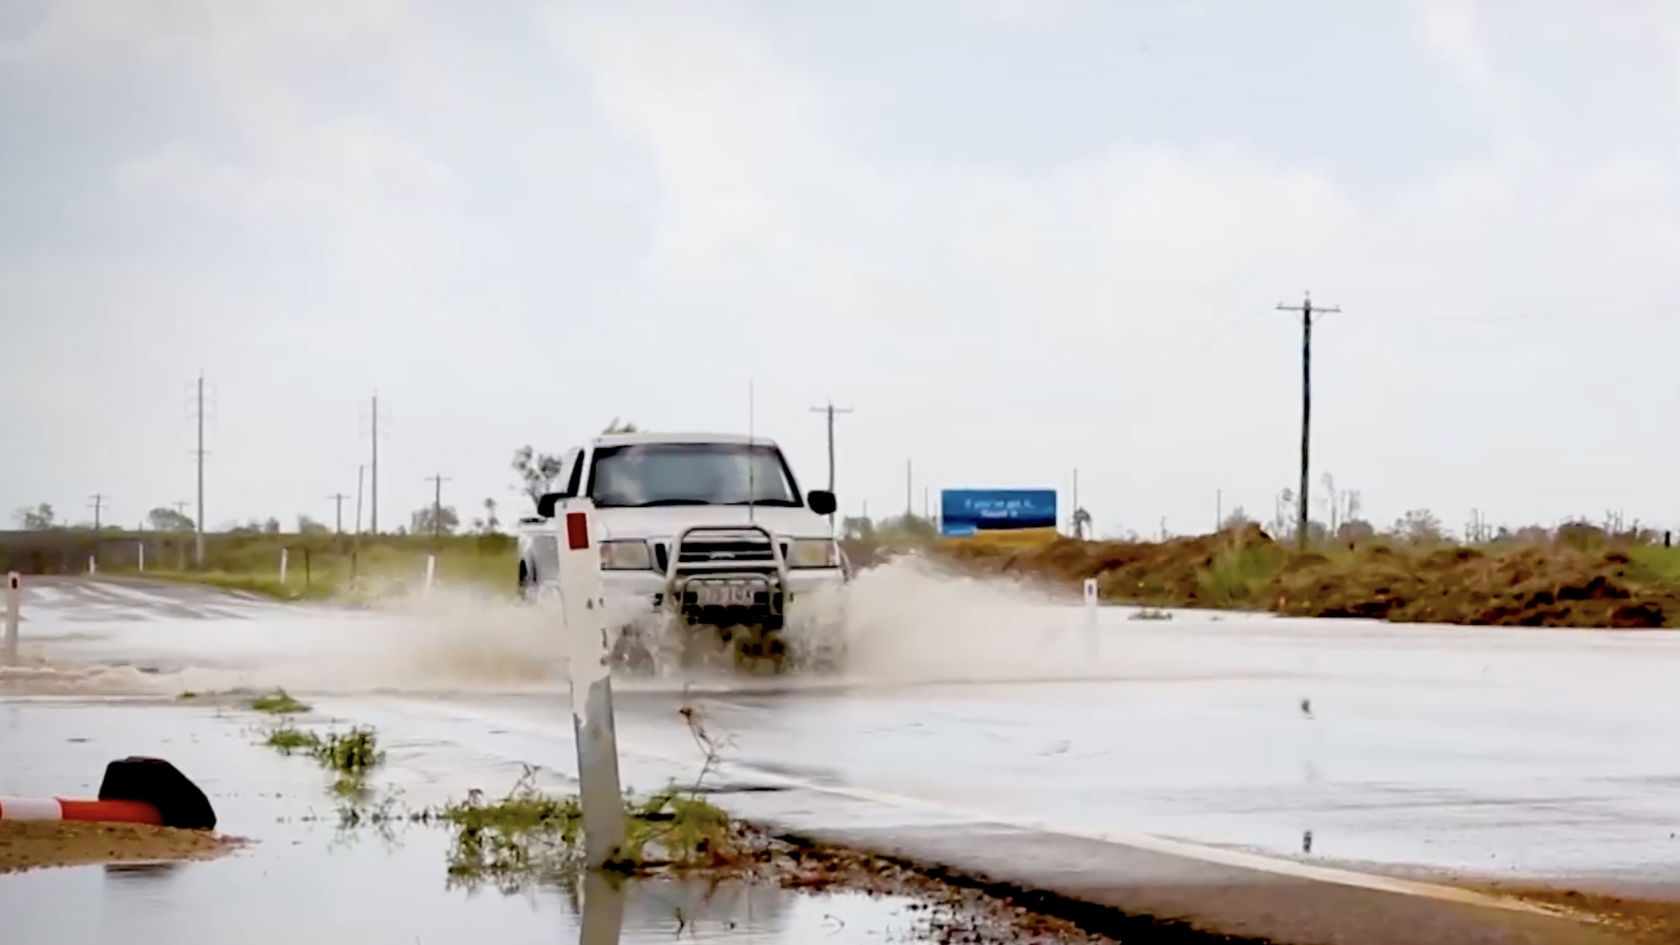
822 502
545 505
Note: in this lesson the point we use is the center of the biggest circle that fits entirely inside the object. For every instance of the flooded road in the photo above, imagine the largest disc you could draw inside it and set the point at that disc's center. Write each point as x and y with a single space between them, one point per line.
303 878
997 732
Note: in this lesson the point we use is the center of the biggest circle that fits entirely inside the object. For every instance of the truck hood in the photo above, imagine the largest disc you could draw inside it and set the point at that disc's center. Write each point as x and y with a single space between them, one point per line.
664 522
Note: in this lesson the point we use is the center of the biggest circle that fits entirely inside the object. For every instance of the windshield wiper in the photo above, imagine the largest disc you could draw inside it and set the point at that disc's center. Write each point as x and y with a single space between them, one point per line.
658 502
780 503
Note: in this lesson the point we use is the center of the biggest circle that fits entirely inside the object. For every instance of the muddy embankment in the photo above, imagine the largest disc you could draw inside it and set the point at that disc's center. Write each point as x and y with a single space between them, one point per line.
1516 584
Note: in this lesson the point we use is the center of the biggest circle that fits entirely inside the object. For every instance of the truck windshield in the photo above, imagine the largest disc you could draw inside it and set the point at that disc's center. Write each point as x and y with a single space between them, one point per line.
647 474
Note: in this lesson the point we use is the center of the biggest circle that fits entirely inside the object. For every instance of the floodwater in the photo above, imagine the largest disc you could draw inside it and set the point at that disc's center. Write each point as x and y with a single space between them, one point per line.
1489 750
303 878
974 720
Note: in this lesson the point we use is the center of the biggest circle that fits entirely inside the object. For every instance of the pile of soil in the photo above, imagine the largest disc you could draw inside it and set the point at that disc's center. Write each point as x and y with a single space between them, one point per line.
1172 573
31 844
1532 586
1535 585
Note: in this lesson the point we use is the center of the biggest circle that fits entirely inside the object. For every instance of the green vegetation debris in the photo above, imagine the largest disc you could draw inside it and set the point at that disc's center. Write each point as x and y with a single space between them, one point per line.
287 739
278 702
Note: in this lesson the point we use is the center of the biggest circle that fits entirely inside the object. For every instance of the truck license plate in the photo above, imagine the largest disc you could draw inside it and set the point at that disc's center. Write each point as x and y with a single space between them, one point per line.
718 594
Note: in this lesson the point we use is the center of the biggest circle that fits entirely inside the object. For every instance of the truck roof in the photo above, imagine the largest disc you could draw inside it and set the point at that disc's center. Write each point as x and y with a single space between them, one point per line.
620 439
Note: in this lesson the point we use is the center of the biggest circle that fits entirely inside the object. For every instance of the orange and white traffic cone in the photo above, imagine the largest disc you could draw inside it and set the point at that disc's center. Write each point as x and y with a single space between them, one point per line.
135 791
59 808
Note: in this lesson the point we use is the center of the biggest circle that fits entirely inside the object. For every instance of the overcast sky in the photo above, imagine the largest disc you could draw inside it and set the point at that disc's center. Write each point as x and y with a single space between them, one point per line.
1017 237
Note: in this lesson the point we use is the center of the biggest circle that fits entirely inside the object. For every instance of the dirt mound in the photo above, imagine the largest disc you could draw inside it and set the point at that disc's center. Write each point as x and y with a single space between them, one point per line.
32 844
1539 585
1535 586
1183 572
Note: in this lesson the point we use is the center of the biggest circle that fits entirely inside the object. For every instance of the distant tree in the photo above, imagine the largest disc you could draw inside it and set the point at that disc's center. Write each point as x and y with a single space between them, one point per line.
1081 523
168 520
1356 529
1236 521
1419 526
253 527
537 471
308 526
420 523
271 527
36 519
1581 535
1534 533
857 527
907 528
489 523
1284 514
620 426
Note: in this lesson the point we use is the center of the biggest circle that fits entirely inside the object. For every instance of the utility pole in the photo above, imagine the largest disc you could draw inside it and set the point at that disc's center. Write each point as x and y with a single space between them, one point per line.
831 410
338 511
437 482
98 500
198 524
909 506
374 507
359 471
1078 531
1306 309
1218 510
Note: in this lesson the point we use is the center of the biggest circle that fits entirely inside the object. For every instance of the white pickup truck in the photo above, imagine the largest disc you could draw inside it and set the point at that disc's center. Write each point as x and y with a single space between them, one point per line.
699 533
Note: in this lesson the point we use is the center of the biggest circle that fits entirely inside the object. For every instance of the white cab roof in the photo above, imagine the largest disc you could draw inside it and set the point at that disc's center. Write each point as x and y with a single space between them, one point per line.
633 439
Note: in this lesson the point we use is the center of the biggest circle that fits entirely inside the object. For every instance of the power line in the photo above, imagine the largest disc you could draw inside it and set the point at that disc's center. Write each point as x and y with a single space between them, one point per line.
98 505
1306 309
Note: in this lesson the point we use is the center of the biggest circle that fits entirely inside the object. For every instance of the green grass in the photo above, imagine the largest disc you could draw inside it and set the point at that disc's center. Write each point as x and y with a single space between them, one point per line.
1656 564
328 567
353 753
1237 574
286 739
278 702
265 585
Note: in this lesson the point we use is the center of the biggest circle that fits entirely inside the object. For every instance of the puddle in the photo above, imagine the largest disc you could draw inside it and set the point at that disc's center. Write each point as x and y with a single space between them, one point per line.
303 878
341 898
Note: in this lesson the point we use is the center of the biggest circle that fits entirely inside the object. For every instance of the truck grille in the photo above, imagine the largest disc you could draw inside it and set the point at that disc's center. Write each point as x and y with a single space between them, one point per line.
747 551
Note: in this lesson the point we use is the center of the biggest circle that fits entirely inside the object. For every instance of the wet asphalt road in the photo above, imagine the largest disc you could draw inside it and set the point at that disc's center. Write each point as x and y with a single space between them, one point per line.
1196 767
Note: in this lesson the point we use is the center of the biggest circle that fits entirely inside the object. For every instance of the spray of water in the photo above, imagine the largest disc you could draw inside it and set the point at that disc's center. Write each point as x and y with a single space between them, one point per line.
907 620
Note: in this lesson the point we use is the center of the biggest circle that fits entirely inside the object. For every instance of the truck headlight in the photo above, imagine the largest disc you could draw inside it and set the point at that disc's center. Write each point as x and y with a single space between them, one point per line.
626 556
813 553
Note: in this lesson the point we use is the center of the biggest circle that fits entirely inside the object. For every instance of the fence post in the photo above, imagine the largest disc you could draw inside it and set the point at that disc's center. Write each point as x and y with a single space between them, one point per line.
14 600
1091 616
584 626
282 565
306 568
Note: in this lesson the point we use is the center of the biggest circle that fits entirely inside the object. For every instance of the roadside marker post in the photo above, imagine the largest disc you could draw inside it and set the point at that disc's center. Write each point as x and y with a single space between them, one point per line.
283 556
93 565
14 601
583 621
140 547
1091 616
431 575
